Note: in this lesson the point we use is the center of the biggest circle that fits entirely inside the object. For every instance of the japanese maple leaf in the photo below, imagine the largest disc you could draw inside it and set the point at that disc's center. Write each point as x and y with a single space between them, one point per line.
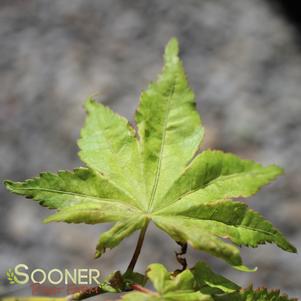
158 175
198 284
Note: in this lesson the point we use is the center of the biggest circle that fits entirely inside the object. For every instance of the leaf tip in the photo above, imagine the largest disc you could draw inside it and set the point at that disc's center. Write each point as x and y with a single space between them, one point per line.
277 170
12 186
89 103
292 249
244 268
8 184
48 219
98 253
171 50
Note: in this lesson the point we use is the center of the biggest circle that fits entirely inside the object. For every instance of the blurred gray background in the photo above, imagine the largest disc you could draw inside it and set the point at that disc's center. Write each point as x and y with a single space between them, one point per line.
243 60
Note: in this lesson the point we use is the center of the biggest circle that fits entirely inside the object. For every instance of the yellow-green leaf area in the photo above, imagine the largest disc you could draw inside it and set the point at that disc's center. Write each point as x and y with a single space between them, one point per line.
154 172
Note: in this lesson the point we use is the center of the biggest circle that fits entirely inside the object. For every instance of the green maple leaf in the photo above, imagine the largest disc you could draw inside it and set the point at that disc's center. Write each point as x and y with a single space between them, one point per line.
158 175
169 288
199 283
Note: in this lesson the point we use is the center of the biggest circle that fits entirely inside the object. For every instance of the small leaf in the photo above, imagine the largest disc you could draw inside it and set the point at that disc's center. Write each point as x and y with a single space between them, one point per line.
210 282
158 275
168 287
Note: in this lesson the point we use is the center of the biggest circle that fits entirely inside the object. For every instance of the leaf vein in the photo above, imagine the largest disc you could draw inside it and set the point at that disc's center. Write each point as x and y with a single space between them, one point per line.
158 171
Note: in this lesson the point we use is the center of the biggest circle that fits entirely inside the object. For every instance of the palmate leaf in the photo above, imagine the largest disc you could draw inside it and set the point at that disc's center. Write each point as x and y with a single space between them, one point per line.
156 175
199 283
168 288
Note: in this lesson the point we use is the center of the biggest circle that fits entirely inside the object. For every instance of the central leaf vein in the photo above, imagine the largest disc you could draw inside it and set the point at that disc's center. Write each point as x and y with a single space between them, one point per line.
156 180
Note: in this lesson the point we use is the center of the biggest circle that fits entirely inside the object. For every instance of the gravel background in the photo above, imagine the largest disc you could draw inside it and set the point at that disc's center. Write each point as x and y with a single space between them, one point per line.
243 60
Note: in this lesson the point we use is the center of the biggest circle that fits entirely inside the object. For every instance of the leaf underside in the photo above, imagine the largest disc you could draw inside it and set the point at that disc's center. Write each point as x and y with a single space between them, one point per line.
156 174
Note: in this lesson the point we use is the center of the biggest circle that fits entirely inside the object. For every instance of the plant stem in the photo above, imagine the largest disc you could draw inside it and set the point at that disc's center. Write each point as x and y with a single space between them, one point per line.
88 293
138 248
94 291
